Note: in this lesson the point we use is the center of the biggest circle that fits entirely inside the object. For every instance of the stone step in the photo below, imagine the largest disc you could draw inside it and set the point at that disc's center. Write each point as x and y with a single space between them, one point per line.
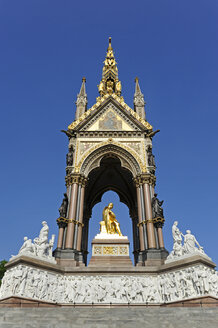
110 261
111 318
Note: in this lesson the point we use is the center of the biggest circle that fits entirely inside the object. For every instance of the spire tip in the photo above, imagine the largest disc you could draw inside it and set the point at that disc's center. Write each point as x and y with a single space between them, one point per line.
110 47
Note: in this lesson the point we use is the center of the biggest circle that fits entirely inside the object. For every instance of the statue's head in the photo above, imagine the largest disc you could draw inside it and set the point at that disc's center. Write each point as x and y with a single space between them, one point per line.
25 238
44 223
155 195
110 205
188 232
175 223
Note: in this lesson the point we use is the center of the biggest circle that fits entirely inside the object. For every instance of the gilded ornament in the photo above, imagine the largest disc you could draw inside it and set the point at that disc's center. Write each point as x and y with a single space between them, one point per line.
110 250
110 141
118 86
111 224
113 88
101 87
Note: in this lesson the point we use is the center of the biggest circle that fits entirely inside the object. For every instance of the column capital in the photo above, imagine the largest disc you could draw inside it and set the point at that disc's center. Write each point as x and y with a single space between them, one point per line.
145 178
83 181
158 222
62 222
75 178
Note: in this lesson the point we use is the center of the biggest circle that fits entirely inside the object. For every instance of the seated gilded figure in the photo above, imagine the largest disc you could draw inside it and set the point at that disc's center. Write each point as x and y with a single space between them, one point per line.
111 224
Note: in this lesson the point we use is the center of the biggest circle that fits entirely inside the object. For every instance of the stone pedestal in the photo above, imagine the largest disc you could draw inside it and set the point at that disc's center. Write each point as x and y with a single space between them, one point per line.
110 250
187 282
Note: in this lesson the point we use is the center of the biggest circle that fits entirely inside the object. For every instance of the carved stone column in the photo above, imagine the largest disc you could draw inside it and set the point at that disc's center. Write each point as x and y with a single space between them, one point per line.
77 216
159 226
72 211
62 226
80 221
160 237
148 181
148 210
140 224
84 241
136 245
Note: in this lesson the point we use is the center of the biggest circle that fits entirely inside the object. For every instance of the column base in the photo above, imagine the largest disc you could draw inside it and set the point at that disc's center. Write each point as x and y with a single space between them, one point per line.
68 257
152 257
136 257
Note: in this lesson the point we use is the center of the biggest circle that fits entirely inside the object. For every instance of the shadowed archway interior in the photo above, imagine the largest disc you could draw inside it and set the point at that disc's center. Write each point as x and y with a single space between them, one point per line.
110 175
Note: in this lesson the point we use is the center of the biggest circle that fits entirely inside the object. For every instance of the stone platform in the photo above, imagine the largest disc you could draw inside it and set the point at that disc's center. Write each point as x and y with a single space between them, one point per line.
109 318
192 281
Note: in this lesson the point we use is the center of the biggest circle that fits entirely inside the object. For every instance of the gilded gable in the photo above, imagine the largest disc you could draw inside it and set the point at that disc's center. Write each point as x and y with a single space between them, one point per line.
110 121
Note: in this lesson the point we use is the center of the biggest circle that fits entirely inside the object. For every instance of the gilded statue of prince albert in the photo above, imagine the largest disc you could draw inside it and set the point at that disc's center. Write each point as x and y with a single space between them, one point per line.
110 222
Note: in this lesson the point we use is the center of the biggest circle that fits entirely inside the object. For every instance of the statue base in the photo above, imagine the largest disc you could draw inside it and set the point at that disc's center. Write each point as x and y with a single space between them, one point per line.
110 250
184 282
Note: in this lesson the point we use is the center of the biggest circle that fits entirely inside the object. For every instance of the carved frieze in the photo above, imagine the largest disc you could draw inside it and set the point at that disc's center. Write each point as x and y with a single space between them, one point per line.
177 285
120 148
86 145
135 145
114 250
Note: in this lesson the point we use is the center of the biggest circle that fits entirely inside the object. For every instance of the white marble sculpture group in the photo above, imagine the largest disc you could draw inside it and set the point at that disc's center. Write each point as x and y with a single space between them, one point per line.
26 281
41 246
188 248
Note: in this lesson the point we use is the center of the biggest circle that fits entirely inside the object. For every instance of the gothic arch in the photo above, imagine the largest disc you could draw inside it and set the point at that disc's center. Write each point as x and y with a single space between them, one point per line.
110 175
109 170
127 160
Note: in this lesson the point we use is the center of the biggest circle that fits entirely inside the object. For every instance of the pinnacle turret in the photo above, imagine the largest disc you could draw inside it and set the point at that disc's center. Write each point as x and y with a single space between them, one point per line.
139 102
81 102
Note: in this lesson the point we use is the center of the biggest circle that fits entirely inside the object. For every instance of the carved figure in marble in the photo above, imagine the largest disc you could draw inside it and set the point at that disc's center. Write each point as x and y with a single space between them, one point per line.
42 247
193 281
190 243
189 247
27 247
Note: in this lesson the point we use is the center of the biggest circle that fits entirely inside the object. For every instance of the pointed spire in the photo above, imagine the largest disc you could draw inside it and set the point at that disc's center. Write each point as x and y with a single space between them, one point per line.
110 65
82 92
137 87
81 102
139 102
110 82
110 47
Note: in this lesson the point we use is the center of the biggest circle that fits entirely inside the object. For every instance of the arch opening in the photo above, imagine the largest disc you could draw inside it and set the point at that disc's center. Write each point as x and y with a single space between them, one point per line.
122 214
127 159
110 176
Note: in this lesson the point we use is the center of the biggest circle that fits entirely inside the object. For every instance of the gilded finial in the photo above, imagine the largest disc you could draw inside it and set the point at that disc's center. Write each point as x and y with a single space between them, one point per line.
110 83
110 43
83 79
136 79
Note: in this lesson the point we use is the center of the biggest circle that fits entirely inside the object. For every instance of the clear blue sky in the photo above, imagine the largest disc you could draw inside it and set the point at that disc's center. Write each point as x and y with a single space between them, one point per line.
47 46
